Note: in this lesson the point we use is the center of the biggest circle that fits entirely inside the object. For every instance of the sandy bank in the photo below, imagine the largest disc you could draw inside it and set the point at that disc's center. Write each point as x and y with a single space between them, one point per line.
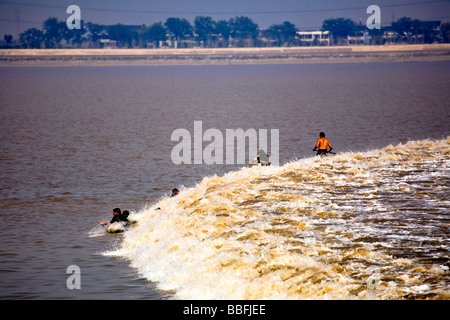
222 56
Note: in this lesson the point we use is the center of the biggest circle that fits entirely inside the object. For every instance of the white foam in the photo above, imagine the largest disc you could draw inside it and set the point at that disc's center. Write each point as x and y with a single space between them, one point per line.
307 229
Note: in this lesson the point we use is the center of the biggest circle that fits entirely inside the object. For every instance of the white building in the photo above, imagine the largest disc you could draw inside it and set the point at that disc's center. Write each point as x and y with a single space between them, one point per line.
314 38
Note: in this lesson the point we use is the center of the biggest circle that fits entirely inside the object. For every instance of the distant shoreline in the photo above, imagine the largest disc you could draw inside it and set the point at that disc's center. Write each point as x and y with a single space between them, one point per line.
222 56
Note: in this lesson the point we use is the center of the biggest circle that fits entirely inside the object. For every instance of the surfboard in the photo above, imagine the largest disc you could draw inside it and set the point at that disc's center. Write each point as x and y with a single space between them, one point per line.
115 230
116 227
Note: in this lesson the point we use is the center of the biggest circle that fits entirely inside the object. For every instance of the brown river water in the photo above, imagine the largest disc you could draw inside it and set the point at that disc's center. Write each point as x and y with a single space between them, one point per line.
371 222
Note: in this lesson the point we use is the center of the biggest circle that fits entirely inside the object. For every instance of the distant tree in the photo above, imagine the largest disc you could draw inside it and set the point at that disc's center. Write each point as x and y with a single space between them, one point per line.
32 38
156 33
283 33
445 32
340 28
406 28
95 32
8 39
223 28
243 28
53 32
430 34
73 37
288 31
204 28
178 28
122 34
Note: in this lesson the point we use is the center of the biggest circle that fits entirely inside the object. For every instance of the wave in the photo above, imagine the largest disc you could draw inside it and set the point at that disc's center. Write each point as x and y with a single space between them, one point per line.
358 225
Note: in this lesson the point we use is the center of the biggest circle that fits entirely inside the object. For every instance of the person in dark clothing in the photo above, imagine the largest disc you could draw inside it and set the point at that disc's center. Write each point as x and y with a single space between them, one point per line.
117 217
125 215
175 192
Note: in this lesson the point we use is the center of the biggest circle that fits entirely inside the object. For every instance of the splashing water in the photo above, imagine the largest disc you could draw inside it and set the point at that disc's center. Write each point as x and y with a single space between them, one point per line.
371 225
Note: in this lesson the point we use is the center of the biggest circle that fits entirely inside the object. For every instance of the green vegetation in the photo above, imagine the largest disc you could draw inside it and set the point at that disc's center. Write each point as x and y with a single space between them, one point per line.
235 32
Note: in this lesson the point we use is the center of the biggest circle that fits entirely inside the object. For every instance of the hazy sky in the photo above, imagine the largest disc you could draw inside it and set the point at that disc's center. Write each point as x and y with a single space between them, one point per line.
18 15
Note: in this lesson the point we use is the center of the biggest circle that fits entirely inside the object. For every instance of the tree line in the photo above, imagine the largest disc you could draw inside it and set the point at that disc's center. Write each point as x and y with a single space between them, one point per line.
205 32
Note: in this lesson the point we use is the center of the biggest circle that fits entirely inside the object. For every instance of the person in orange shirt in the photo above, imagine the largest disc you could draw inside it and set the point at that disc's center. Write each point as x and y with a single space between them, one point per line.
322 144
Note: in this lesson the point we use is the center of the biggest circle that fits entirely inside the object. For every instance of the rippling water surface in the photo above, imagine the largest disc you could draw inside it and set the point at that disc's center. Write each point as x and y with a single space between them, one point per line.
369 223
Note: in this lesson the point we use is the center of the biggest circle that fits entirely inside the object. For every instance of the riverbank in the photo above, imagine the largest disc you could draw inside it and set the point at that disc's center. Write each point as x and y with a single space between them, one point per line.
222 56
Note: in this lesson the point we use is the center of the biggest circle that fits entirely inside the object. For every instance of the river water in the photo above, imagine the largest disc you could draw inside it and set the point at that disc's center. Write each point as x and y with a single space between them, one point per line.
371 222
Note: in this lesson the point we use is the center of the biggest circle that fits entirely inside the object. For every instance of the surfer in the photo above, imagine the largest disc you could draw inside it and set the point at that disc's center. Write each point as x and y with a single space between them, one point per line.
322 144
117 217
262 159
175 192
124 216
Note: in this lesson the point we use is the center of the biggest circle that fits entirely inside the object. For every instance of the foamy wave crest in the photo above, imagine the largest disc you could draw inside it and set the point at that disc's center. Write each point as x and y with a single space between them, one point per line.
351 226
